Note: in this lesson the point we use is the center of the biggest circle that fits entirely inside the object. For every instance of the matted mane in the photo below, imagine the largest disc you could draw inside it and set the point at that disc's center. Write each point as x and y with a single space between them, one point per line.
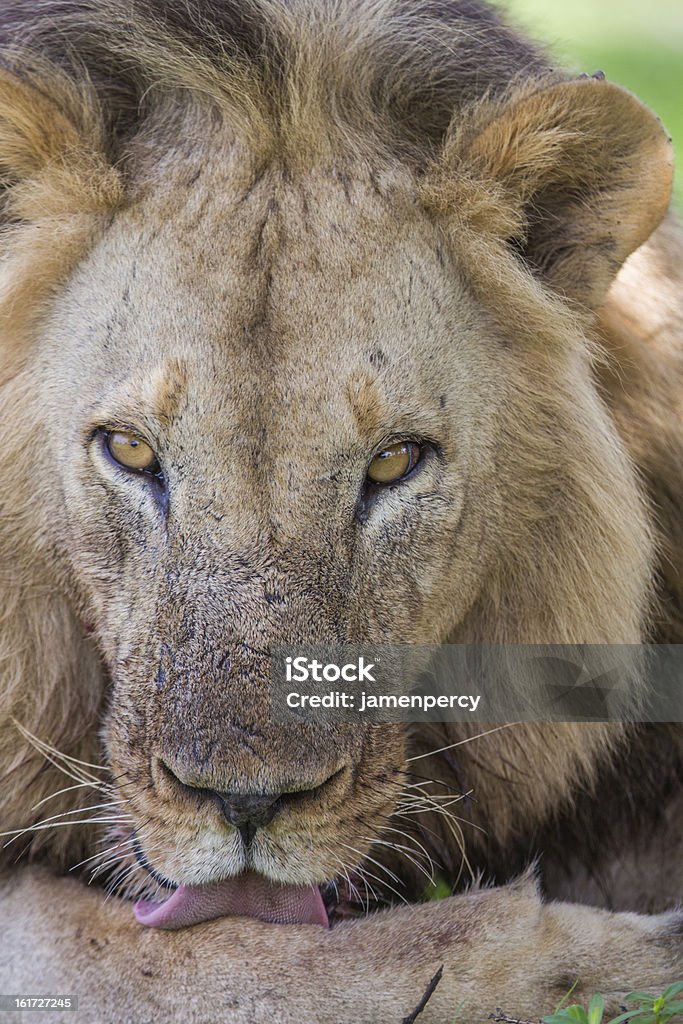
391 69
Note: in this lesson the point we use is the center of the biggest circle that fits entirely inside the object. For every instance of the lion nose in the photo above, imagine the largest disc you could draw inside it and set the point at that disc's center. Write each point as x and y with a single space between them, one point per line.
250 811
245 811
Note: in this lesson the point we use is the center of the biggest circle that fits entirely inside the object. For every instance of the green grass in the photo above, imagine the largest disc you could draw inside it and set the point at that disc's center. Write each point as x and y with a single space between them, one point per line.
636 43
637 1008
645 1009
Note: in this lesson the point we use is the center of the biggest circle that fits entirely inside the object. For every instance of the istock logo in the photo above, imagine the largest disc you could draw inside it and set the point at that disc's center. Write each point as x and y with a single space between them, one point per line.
298 670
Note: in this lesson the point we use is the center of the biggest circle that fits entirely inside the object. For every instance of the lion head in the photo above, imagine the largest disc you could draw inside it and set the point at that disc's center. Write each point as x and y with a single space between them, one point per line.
294 353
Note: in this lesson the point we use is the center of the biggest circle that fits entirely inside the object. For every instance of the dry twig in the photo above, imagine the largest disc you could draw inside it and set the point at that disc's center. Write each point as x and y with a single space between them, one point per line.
429 992
502 1018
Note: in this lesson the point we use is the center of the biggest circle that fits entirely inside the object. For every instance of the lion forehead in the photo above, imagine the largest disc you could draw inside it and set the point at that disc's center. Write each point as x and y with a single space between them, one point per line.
257 278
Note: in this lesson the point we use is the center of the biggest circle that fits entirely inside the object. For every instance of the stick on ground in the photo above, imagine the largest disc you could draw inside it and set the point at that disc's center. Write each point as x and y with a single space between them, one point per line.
429 992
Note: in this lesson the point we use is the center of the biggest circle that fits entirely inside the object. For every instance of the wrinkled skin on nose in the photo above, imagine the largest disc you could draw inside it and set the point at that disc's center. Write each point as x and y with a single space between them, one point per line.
198 702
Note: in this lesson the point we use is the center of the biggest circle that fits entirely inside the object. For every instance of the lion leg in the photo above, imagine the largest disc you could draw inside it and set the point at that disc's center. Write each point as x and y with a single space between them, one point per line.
498 947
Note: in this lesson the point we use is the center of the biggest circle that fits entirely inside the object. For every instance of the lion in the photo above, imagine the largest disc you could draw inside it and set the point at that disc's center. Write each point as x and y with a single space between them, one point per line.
326 322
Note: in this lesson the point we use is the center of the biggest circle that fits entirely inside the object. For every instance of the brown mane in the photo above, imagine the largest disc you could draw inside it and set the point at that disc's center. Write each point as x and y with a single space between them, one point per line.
395 71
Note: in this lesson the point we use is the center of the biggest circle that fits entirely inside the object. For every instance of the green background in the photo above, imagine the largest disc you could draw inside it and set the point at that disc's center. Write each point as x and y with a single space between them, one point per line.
638 44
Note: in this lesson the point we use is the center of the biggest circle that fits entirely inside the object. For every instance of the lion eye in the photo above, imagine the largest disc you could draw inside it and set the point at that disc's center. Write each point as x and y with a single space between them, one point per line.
395 462
131 452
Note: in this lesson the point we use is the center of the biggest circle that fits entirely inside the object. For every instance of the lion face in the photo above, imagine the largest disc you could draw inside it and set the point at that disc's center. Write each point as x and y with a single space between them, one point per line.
265 357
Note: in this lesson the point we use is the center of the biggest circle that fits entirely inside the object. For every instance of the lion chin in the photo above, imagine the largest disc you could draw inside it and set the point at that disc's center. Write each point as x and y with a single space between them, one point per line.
325 323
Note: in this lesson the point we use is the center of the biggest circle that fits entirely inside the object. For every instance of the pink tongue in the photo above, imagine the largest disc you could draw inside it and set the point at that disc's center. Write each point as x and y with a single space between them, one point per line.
247 895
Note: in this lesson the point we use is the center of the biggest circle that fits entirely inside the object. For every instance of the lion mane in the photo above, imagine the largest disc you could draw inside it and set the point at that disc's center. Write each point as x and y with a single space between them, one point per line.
89 90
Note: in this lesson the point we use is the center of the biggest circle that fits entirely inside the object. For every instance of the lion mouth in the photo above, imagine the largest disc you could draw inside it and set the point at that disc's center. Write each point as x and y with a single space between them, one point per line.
245 895
248 895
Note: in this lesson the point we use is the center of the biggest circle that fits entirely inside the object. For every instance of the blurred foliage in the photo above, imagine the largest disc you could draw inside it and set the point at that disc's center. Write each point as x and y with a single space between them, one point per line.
638 43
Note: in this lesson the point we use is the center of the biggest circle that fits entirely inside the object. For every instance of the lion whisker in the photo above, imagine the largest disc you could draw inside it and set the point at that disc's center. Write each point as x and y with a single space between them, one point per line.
411 838
105 853
119 879
364 874
452 823
406 851
451 797
377 863
399 847
79 810
368 888
414 801
42 745
459 743
429 779
427 807
39 826
425 802
70 773
382 867
347 878
54 824
69 789
109 859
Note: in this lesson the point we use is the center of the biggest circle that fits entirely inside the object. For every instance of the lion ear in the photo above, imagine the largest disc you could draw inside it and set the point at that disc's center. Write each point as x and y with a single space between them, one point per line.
582 172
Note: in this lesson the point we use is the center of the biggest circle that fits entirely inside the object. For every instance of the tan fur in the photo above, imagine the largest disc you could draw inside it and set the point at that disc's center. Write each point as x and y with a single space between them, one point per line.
275 269
51 146
360 973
